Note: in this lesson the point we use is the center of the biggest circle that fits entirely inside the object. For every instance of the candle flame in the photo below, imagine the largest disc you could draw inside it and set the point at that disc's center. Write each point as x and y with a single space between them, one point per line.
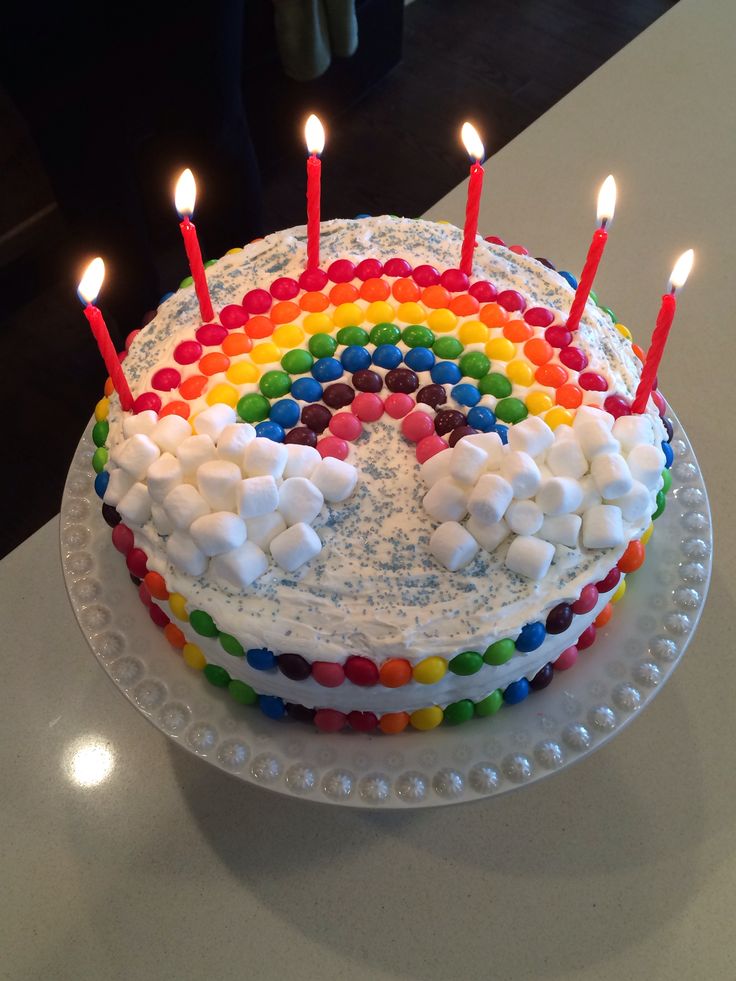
607 200
314 134
473 142
185 194
682 269
91 282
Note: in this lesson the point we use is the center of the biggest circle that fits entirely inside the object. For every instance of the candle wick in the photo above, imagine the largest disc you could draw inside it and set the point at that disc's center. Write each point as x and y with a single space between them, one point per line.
604 222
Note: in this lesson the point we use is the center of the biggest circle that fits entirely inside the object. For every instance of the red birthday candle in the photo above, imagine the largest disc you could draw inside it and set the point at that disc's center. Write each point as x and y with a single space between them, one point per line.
661 331
474 146
89 286
314 135
184 198
606 208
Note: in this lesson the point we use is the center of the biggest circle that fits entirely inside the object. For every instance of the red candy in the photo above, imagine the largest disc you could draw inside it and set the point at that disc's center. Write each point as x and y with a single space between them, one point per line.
659 401
586 638
483 291
136 560
426 275
146 401
617 405
313 279
284 288
122 538
345 425
539 317
130 338
144 595
454 280
211 335
361 671
158 616
557 335
187 352
573 358
399 268
416 426
165 379
398 404
610 581
586 601
369 269
511 300
122 355
430 446
367 406
495 240
518 249
566 660
330 720
257 301
333 446
341 271
233 316
327 674
363 721
591 381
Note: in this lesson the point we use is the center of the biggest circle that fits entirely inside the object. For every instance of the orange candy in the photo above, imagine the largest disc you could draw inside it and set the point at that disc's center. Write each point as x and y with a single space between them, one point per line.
604 616
538 350
518 331
237 343
551 375
493 315
213 363
174 636
260 326
406 291
464 305
284 312
435 297
314 302
641 355
192 387
395 673
633 557
175 408
343 293
393 722
156 585
571 396
109 387
375 289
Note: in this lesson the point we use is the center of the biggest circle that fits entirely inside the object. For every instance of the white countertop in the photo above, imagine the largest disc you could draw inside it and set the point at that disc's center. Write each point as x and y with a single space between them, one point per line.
621 866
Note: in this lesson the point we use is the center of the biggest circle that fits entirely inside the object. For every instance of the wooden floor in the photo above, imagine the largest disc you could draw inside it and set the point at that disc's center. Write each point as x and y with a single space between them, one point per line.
500 63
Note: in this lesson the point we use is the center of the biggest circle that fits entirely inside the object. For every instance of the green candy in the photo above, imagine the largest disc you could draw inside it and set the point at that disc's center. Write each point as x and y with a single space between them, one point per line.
466 663
475 364
385 334
203 623
253 408
494 384
297 362
489 705
458 712
500 652
511 410
100 431
216 676
322 345
210 262
610 313
594 297
232 645
352 336
275 384
447 348
99 459
242 693
667 478
661 505
417 336
187 281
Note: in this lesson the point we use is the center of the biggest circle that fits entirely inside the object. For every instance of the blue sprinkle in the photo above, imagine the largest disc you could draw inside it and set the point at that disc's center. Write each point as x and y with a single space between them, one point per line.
101 481
570 279
260 659
271 430
446 373
669 455
327 369
465 394
516 692
503 432
355 358
531 637
286 413
306 390
419 359
481 418
271 706
387 356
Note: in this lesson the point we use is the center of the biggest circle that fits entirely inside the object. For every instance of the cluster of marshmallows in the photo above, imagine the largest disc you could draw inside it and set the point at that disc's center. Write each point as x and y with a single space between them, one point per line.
594 483
223 497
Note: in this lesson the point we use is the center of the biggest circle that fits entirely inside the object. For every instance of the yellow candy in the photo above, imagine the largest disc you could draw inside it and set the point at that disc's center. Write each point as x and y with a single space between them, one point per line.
624 331
502 349
178 606
411 313
430 670
102 409
233 251
558 417
288 336
194 657
519 372
242 372
442 320
538 402
222 393
379 312
427 718
647 534
317 323
619 594
266 353
347 315
473 332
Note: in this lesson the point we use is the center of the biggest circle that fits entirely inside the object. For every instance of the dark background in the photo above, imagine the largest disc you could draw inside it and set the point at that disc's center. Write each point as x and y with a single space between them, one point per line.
83 99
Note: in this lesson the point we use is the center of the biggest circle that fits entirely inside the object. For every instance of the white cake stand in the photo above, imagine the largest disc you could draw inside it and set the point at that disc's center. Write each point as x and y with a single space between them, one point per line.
583 708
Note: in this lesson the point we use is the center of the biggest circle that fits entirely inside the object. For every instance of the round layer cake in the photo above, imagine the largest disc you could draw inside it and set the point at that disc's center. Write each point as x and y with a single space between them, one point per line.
380 493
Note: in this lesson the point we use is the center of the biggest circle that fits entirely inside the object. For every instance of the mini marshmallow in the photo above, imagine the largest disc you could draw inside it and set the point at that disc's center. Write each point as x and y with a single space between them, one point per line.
564 529
437 466
630 431
565 458
468 462
295 546
212 421
532 436
193 451
452 545
256 496
136 455
446 500
143 422
521 472
299 500
524 517
262 530
169 432
591 497
232 441
646 464
216 533
184 554
241 566
301 460
335 478
135 507
184 504
490 498
163 476
529 556
563 431
595 437
636 503
603 527
611 475
491 443
488 537
218 481
591 413
559 495
118 485
264 458
161 521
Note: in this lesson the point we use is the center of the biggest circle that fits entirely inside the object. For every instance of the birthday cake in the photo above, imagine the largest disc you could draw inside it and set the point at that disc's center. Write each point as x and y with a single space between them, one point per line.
381 493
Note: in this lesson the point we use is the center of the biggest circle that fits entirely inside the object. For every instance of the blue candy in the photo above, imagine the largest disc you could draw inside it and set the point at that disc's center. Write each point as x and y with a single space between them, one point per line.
327 370
387 356
271 430
446 373
669 455
101 481
465 394
271 706
164 298
419 359
355 358
482 418
285 412
306 390
260 659
531 637
503 432
516 692
570 279
362 216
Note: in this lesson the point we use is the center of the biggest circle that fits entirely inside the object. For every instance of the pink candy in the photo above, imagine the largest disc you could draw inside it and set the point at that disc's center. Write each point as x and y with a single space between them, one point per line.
566 659
367 406
333 446
345 425
416 426
518 249
617 405
430 446
398 405
586 638
122 538
586 601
